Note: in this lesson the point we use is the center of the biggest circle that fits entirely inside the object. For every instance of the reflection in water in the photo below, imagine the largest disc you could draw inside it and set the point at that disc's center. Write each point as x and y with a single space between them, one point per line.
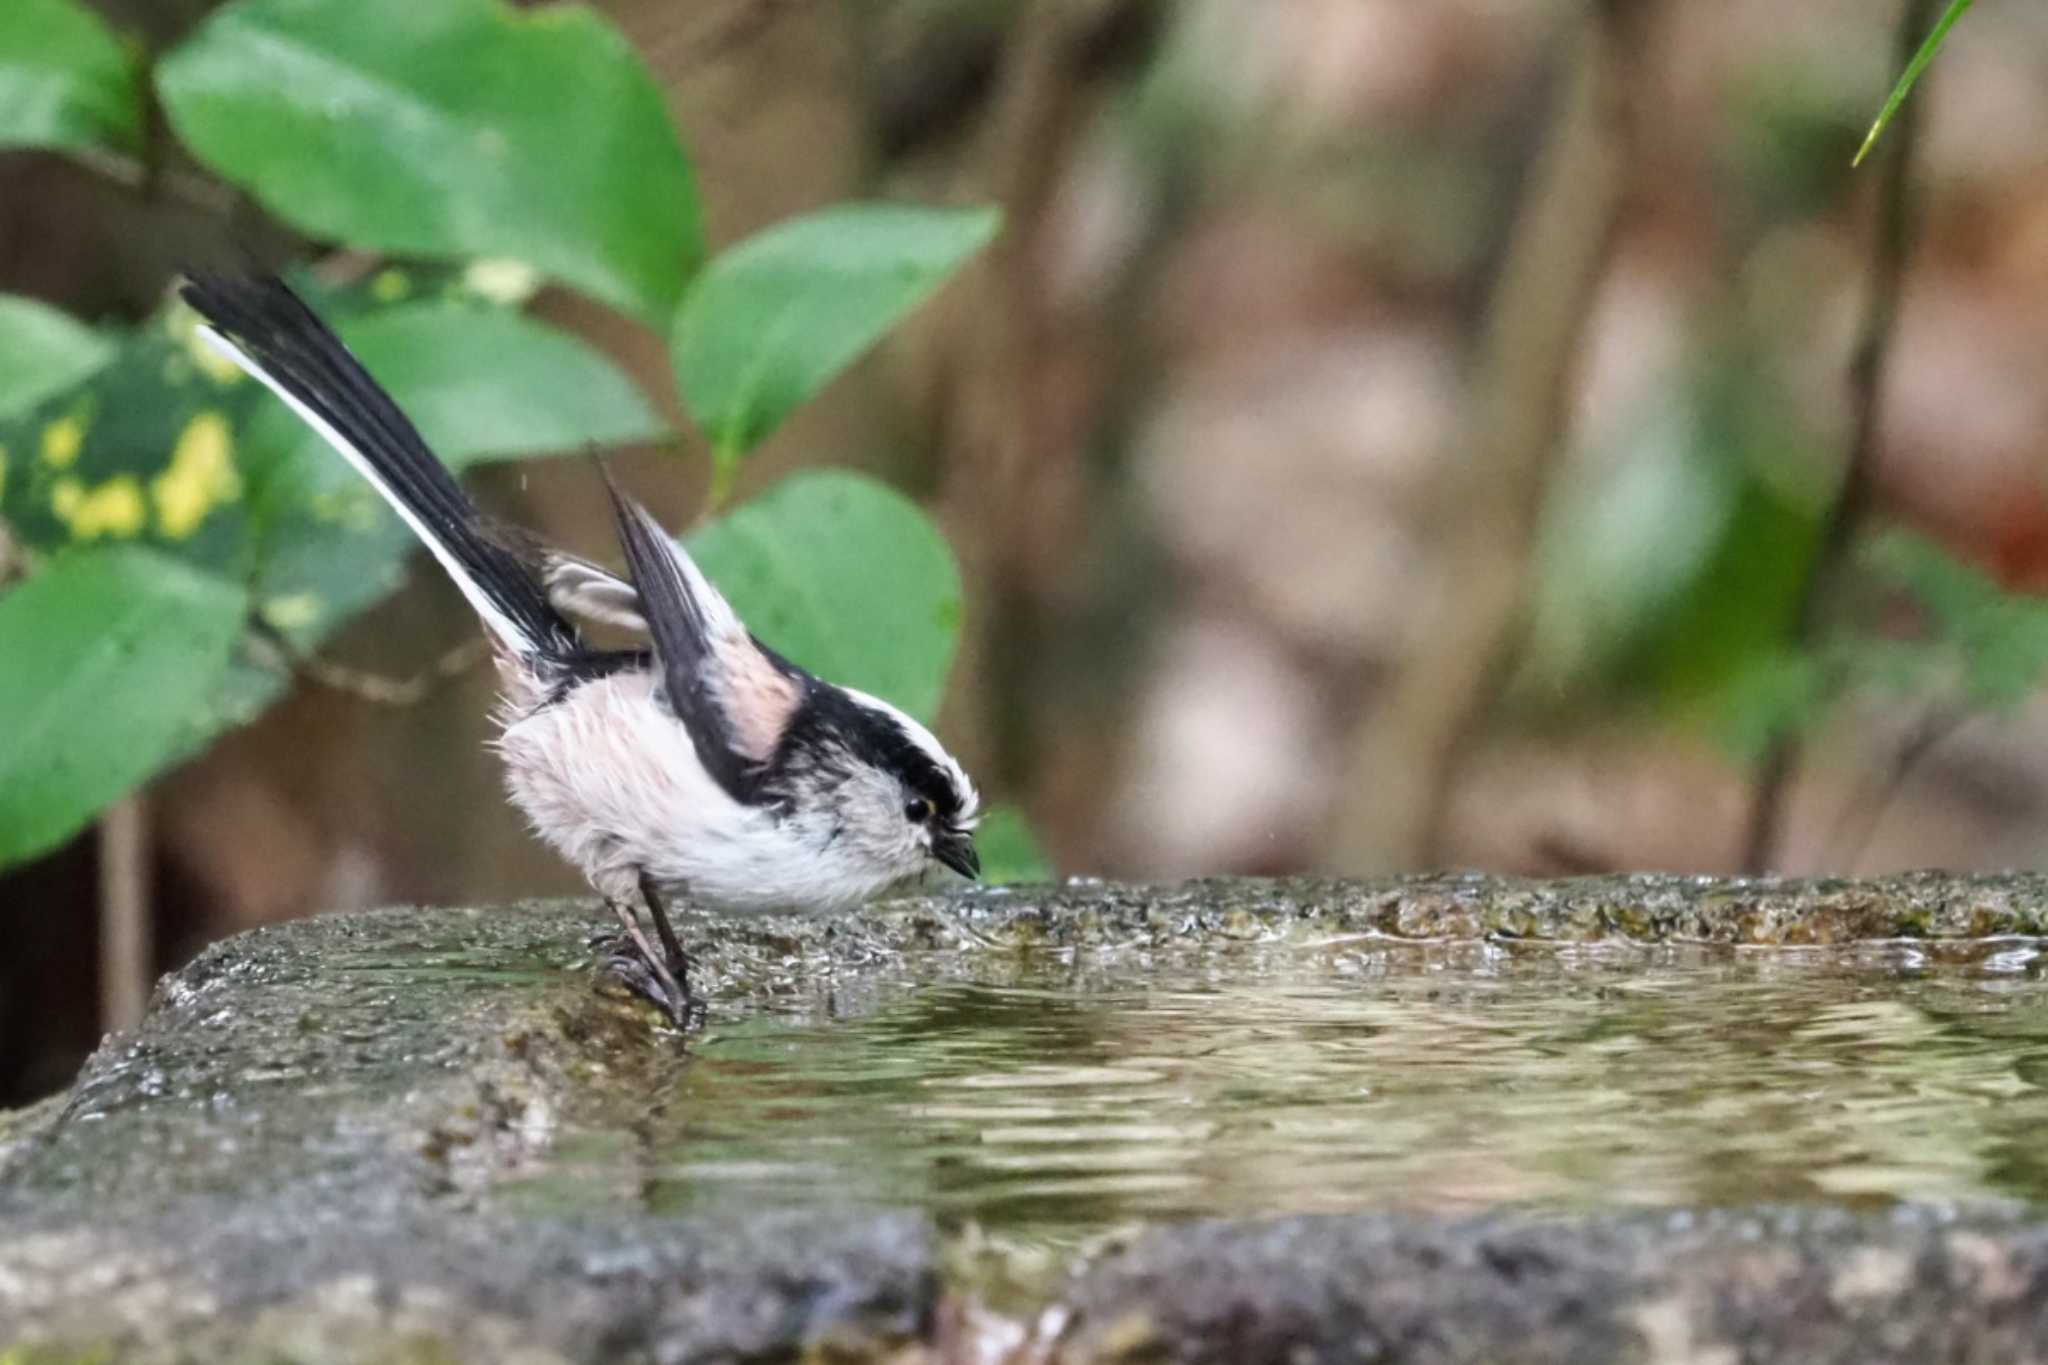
1053 1095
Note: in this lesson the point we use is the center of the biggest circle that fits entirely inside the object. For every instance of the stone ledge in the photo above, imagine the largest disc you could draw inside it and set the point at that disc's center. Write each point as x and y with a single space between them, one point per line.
1773 1285
300 1156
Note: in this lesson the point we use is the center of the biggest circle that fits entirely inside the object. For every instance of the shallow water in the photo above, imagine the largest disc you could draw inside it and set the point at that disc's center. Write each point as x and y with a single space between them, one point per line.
1051 1095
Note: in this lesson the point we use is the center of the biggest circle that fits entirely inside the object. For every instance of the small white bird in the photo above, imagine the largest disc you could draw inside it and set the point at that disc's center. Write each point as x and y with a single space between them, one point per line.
704 765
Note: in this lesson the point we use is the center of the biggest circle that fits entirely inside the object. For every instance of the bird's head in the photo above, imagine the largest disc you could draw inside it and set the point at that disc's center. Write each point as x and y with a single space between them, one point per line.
897 800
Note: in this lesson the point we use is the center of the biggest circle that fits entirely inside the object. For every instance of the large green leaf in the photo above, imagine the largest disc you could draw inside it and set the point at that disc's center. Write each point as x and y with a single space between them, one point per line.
65 81
43 351
448 127
845 576
482 382
110 653
772 320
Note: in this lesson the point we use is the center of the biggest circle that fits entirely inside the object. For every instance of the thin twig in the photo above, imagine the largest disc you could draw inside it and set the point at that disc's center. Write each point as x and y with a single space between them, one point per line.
749 23
1018 478
379 690
375 688
15 560
150 179
1763 843
1409 749
127 940
1858 822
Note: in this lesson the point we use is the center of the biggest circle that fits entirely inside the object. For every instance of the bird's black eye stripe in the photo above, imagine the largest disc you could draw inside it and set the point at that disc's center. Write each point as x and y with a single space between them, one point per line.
871 737
917 810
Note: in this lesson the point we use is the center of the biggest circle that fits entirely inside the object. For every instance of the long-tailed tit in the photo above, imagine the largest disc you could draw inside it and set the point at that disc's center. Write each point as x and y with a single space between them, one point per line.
703 765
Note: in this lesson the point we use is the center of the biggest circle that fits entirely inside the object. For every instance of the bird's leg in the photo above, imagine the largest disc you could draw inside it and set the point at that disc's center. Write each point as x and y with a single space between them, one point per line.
678 961
643 970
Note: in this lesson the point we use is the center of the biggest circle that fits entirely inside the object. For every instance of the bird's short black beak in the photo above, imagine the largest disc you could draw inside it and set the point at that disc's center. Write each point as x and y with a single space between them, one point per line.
955 848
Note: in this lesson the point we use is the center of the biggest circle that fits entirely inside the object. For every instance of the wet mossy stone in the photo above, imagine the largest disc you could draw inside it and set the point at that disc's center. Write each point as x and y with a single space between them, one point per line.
322 1144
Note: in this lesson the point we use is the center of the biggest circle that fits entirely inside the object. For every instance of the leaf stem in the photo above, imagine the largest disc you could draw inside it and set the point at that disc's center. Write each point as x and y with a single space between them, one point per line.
1763 840
127 946
725 470
151 179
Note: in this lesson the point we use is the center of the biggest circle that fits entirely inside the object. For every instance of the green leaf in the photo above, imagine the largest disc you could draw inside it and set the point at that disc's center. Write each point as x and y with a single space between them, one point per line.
448 127
142 449
65 80
772 320
43 351
110 654
845 576
1911 75
484 383
1009 851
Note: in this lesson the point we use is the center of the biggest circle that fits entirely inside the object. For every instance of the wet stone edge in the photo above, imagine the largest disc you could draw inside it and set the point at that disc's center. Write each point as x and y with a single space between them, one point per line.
445 1043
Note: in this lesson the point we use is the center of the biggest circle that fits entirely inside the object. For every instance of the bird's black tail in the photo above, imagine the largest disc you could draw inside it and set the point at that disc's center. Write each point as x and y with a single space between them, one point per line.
261 325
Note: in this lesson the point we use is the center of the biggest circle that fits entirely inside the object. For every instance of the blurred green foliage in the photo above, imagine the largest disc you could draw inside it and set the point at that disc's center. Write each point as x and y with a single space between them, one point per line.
43 351
1793 127
65 81
1670 573
1965 642
183 535
1675 563
1008 851
1987 644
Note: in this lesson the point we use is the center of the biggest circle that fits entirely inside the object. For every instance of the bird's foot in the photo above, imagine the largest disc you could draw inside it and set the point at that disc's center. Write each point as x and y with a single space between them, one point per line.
622 960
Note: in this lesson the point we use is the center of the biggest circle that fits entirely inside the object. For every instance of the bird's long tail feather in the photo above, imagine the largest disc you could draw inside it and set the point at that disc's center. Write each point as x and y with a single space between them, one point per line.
265 329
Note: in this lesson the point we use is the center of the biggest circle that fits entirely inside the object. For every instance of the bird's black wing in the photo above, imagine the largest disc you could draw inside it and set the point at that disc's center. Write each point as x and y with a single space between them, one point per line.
734 697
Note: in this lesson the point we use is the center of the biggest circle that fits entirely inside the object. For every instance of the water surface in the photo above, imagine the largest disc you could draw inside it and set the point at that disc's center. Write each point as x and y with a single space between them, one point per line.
1052 1095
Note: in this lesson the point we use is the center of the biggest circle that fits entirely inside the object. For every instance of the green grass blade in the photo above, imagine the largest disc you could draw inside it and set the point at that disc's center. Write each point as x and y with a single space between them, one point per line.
1913 69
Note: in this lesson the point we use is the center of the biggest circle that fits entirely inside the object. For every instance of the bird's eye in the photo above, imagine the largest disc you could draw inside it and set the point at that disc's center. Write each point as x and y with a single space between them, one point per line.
917 810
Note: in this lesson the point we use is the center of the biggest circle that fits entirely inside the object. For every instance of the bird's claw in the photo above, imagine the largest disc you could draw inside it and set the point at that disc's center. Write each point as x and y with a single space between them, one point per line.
624 963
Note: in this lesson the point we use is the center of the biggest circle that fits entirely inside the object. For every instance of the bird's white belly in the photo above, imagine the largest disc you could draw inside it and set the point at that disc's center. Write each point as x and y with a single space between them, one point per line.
609 778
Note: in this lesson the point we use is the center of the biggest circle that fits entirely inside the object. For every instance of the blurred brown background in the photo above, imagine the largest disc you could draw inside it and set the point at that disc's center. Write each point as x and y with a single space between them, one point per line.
1384 437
